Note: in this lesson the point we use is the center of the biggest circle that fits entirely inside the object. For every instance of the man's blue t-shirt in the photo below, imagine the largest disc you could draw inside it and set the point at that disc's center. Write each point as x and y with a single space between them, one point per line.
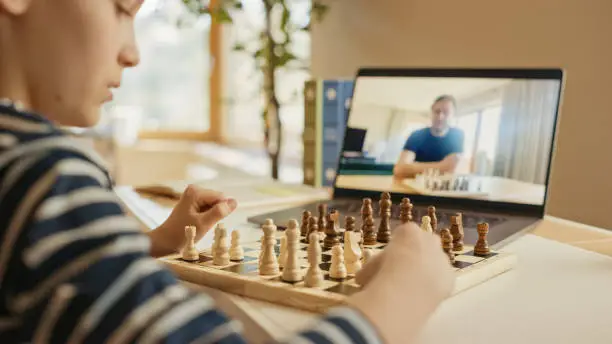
430 148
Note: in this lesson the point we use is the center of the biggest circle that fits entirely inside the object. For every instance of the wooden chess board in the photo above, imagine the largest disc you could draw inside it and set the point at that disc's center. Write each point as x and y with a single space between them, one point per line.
242 278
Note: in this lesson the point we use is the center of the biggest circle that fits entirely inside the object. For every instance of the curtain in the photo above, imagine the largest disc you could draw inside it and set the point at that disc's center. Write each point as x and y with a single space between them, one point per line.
526 130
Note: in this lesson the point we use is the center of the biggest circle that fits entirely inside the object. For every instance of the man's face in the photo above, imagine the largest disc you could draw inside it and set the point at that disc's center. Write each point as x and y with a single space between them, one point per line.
73 52
441 112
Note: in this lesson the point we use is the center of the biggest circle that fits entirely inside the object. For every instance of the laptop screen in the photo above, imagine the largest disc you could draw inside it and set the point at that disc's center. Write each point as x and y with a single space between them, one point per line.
472 134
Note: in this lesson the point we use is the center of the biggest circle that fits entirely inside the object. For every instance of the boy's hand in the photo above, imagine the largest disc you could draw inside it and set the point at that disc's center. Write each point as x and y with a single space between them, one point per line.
405 283
198 207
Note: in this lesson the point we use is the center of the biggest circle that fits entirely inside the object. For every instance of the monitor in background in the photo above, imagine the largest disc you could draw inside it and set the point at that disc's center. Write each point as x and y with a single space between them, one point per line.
479 137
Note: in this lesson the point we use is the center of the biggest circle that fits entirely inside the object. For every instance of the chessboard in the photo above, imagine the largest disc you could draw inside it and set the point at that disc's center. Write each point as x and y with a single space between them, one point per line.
432 182
312 264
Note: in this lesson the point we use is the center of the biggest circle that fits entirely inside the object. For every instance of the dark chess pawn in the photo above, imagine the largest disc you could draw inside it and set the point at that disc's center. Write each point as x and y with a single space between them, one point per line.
482 245
312 227
305 221
322 208
457 233
405 210
447 244
369 234
366 209
384 228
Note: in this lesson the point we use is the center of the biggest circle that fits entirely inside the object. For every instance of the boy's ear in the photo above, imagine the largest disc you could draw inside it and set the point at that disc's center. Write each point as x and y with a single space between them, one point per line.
15 7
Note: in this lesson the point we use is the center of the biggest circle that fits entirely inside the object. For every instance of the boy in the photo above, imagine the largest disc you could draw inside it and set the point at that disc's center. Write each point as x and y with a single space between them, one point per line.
74 268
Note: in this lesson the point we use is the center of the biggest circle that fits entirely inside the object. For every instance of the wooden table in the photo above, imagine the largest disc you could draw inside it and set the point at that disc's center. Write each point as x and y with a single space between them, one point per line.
559 293
496 188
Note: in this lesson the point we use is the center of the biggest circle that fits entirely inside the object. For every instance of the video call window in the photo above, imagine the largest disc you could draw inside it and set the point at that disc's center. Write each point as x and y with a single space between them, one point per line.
486 138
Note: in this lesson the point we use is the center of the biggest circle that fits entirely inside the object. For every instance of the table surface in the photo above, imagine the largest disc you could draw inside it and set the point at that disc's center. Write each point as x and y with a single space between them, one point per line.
559 293
497 188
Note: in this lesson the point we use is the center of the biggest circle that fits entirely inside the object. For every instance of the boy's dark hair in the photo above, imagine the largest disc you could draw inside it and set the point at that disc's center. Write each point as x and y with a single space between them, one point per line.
446 97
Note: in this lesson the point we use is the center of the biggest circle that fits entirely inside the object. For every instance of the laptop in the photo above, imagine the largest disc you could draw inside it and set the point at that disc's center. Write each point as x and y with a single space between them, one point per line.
479 142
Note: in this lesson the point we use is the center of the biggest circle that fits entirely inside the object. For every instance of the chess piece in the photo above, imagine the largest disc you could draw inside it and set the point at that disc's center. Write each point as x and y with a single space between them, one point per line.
349 226
314 274
482 245
367 255
384 228
322 217
291 269
331 236
352 252
221 248
190 252
431 212
369 234
305 220
282 255
457 233
447 244
405 210
337 269
268 265
426 224
236 251
366 209
312 228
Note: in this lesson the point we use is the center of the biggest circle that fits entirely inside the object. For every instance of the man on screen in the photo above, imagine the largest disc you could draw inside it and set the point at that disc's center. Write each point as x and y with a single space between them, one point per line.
438 147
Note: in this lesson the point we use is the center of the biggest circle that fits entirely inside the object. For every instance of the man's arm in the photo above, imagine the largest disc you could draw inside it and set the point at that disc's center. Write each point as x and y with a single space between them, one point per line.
410 170
80 270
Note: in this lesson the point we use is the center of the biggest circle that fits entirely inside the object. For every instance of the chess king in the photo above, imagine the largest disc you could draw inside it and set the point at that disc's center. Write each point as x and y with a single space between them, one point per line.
435 147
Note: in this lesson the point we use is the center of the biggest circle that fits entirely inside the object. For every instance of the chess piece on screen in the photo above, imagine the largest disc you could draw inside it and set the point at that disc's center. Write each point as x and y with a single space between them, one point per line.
426 224
352 252
457 233
482 245
291 269
337 269
221 248
190 252
268 264
314 274
447 244
384 228
236 250
305 221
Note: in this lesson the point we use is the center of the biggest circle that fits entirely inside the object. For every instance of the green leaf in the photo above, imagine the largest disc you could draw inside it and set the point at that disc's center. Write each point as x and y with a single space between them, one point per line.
239 47
285 58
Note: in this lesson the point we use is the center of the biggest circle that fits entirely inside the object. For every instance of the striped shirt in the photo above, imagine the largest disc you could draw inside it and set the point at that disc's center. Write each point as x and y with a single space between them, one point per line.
74 268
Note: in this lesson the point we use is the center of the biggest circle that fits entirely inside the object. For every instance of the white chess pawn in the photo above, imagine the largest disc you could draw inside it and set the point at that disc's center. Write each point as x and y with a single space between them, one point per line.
221 248
236 251
314 274
292 271
426 224
282 255
190 252
338 268
367 255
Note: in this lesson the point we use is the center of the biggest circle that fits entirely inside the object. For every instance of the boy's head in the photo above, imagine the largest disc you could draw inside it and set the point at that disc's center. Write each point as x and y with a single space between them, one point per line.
61 58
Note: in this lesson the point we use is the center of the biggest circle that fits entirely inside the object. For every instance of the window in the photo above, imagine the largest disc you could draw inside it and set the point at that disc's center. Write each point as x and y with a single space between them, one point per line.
481 134
243 96
169 90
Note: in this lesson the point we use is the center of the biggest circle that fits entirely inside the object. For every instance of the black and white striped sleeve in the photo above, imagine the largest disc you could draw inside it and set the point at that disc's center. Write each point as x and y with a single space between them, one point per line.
75 269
